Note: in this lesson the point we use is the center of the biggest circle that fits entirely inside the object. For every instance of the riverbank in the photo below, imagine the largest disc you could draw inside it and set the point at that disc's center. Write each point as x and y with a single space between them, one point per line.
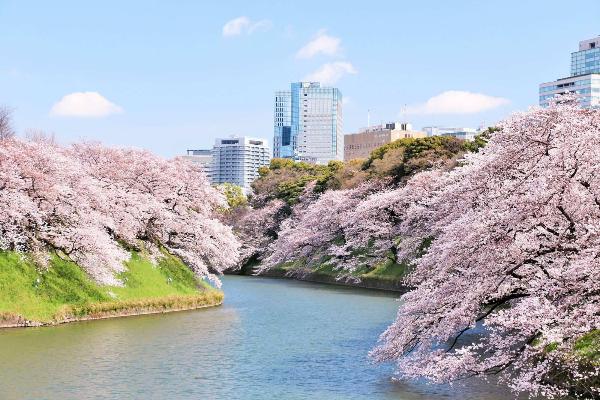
62 293
272 339
387 276
119 309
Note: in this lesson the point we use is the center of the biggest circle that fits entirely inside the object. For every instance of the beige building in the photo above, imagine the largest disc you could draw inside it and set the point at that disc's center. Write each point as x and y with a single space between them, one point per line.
203 158
361 144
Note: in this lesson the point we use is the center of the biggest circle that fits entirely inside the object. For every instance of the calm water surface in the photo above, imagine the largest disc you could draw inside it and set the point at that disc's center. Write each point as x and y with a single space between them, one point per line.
272 339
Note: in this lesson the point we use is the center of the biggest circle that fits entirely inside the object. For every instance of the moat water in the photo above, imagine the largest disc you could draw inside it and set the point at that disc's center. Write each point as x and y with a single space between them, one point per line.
271 339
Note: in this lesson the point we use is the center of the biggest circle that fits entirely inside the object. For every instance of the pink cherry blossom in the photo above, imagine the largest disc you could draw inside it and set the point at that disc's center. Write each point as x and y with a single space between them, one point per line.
516 238
255 228
511 257
92 203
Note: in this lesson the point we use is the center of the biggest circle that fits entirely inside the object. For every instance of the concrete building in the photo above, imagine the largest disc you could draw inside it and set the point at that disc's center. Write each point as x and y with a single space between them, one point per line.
584 79
361 144
237 160
203 158
308 123
459 133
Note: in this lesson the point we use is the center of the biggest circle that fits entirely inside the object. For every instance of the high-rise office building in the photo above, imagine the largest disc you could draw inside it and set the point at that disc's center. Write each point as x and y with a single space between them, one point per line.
308 123
237 160
203 158
584 80
362 143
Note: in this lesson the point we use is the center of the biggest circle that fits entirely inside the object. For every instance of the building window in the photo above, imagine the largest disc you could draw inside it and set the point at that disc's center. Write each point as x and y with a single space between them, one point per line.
286 135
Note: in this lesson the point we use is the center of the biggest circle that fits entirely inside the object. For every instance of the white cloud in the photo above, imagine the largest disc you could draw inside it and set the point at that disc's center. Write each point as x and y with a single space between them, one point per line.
84 104
244 25
457 102
321 44
330 73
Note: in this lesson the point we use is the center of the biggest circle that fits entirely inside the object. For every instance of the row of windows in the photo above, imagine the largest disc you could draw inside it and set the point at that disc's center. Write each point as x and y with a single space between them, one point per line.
237 172
594 90
247 163
236 176
241 150
239 160
229 167
363 146
587 64
234 171
584 53
594 94
586 71
241 156
584 82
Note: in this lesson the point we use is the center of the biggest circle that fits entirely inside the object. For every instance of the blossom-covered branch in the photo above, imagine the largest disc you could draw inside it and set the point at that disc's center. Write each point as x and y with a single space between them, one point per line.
516 242
91 202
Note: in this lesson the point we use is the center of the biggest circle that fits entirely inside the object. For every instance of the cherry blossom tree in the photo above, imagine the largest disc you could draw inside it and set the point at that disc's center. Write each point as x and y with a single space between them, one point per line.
351 228
515 253
93 203
256 228
509 279
168 203
315 232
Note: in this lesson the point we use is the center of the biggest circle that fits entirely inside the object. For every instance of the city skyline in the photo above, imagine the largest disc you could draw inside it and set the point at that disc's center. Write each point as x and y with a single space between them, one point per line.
95 72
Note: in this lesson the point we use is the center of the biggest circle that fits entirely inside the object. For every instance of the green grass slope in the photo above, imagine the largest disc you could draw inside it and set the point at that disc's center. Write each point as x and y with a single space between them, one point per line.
386 275
588 347
64 291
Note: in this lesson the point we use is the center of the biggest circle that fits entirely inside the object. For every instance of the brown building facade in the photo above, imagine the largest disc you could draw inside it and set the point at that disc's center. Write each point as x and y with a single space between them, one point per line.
361 144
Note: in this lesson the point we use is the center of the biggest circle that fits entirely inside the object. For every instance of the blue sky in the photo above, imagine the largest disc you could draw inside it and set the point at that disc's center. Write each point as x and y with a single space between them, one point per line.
167 76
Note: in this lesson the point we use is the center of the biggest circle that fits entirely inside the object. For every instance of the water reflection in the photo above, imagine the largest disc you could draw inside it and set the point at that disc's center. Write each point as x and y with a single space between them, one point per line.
273 339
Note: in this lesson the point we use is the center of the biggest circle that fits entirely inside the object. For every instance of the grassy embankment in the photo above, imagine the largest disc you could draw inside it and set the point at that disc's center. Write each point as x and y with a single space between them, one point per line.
63 292
387 275
588 347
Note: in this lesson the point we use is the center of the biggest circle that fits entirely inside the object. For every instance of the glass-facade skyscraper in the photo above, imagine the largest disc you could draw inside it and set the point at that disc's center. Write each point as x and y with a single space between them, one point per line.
584 80
587 59
308 123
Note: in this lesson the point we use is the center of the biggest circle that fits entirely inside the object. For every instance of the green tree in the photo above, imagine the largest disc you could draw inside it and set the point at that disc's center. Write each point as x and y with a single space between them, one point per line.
481 139
234 195
404 157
